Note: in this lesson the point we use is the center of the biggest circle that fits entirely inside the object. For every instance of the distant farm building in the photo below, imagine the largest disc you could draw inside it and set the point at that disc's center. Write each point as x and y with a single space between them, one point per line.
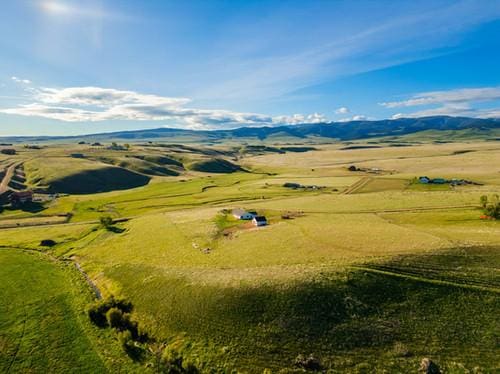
243 214
427 180
259 221
8 151
452 182
21 197
439 181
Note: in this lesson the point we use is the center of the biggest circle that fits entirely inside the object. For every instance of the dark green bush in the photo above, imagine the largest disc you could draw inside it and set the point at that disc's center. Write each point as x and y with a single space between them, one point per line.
308 363
48 243
114 316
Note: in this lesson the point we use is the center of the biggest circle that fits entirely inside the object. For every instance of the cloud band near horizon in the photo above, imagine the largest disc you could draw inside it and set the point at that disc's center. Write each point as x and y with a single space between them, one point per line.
93 104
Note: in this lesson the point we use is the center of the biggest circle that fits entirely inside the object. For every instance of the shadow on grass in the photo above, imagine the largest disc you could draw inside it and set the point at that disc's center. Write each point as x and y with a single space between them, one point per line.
116 230
332 313
33 207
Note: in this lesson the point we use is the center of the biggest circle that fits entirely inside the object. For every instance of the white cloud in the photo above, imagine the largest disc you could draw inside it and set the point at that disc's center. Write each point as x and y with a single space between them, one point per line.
93 104
342 110
300 118
358 117
19 80
102 97
458 96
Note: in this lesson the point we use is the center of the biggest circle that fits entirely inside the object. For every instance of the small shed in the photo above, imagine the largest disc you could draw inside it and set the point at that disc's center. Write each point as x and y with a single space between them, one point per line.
242 214
424 180
259 221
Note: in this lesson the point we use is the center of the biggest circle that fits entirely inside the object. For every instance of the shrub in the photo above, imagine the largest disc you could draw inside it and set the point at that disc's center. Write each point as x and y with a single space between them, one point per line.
491 206
125 338
48 243
98 311
114 316
173 362
308 363
400 350
429 367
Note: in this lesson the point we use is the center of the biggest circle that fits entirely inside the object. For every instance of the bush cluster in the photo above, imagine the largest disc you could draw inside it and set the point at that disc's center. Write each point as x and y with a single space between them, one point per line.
98 311
491 206
115 313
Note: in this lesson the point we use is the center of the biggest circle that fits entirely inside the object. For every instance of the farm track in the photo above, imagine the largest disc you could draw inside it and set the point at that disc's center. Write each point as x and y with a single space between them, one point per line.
358 185
415 275
9 173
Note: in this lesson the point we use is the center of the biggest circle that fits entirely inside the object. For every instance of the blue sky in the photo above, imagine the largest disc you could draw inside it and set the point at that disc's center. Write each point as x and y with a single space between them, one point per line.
72 67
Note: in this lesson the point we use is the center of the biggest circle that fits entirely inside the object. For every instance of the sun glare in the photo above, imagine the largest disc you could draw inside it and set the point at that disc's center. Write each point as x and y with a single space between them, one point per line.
54 7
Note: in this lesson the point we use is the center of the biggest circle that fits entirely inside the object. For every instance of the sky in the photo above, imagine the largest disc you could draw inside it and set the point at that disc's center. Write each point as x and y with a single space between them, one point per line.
72 67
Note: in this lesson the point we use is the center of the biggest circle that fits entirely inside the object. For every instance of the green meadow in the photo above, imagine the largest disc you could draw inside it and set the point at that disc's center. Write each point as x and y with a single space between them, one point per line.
366 270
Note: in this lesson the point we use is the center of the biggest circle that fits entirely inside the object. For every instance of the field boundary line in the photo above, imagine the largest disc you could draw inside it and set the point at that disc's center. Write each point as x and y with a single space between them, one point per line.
426 280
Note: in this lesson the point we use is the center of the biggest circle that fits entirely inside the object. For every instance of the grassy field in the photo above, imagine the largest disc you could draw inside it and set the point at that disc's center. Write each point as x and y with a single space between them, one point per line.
43 326
369 271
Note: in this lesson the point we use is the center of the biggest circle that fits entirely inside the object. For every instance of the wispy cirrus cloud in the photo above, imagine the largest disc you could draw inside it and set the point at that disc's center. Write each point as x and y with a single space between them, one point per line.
457 102
94 104
458 96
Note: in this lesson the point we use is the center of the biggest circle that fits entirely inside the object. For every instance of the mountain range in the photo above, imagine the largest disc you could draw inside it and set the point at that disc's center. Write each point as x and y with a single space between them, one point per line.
344 131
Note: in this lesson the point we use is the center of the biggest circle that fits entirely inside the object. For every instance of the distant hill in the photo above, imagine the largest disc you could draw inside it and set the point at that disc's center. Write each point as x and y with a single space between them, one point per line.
351 130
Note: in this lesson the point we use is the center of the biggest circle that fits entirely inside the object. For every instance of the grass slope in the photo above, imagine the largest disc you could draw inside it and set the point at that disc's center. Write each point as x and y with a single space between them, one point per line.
79 176
43 326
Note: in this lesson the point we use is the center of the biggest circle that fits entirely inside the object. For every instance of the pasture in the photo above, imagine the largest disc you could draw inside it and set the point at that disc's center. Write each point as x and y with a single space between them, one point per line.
43 326
369 271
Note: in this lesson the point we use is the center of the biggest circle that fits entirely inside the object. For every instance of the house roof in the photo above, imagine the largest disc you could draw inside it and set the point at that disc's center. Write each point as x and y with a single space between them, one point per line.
239 212
260 219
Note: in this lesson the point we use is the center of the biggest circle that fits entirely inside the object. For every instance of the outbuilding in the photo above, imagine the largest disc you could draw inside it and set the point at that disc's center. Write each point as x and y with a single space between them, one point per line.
424 180
259 221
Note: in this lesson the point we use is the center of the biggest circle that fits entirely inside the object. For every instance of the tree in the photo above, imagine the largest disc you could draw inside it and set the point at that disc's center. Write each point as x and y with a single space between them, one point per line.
483 200
491 206
106 222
